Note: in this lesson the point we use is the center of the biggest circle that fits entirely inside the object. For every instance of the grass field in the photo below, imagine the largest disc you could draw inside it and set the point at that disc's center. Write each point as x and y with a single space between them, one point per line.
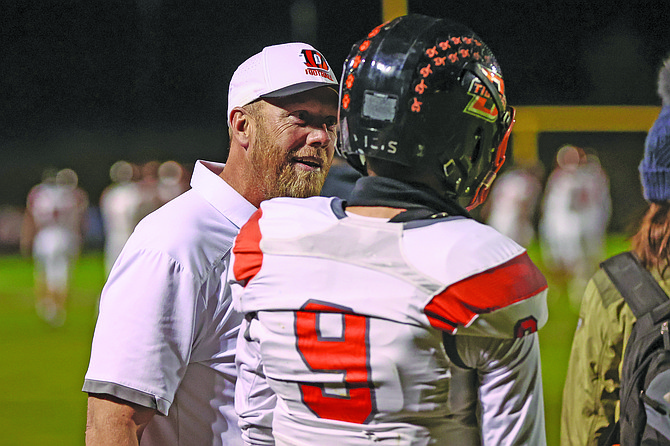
42 369
556 339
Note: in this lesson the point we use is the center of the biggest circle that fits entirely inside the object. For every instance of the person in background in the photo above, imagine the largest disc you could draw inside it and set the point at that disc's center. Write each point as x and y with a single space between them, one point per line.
162 368
575 212
172 181
351 306
119 208
52 233
148 187
513 204
591 392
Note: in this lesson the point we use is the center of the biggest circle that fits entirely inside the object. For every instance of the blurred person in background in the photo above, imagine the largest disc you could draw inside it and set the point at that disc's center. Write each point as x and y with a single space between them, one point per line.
575 212
513 204
52 233
172 181
592 387
119 208
162 368
148 186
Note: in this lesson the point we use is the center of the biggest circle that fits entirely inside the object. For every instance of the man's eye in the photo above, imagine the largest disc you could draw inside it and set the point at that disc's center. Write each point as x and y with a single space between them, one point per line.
300 116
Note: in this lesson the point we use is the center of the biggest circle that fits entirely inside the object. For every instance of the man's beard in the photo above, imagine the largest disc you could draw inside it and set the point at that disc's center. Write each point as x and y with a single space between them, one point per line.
276 176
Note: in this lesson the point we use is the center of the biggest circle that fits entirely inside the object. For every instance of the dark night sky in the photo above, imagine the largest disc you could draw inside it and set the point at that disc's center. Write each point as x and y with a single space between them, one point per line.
87 82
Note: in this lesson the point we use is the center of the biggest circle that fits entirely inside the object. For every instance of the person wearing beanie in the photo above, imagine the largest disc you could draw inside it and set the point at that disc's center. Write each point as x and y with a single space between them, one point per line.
162 368
591 392
655 166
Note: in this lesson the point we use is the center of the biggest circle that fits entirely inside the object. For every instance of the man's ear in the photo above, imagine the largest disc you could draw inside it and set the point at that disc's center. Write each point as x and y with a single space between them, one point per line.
240 126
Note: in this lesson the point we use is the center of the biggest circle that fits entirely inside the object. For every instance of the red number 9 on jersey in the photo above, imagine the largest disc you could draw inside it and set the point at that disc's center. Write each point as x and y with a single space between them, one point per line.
347 354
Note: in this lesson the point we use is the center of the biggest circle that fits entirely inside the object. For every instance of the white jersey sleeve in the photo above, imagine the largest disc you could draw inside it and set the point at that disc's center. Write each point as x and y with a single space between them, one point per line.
510 391
254 399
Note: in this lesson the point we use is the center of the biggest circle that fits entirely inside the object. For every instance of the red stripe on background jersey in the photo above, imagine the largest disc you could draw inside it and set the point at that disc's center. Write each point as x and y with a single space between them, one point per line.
247 250
511 282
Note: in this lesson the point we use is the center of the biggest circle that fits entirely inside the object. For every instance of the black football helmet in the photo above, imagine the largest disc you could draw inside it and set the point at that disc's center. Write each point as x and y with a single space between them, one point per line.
428 94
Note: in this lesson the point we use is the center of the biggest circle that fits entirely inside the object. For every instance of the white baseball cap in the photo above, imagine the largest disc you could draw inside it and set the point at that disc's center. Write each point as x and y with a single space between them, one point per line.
279 70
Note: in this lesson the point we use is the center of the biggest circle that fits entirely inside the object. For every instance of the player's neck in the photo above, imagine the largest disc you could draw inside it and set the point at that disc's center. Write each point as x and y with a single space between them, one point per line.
375 211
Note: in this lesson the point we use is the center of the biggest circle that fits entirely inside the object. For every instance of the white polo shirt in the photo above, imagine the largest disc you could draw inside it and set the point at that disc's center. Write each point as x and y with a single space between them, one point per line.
165 336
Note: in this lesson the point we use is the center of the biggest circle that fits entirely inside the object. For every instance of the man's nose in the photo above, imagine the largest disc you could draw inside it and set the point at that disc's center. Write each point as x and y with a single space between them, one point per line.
320 136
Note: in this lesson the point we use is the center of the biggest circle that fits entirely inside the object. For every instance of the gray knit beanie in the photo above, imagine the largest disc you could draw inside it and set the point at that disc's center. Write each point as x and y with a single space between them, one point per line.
655 166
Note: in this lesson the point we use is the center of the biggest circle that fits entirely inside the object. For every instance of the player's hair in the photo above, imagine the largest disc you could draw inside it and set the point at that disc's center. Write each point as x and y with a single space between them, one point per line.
651 243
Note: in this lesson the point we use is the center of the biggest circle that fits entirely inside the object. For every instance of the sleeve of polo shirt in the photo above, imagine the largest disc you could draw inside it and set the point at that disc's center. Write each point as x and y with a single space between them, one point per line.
144 333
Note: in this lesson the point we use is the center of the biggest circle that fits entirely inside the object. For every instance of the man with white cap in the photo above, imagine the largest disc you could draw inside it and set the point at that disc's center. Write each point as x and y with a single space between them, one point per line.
162 368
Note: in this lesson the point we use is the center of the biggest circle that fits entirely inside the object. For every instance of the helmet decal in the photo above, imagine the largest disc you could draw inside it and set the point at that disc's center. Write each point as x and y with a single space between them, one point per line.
416 105
498 82
346 100
482 103
362 47
420 87
444 54
350 81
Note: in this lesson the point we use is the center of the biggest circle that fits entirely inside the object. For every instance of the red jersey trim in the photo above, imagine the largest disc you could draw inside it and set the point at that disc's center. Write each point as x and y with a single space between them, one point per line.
247 250
513 281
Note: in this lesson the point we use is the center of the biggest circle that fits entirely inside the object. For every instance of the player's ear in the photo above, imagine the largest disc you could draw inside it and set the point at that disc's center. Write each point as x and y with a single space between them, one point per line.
240 126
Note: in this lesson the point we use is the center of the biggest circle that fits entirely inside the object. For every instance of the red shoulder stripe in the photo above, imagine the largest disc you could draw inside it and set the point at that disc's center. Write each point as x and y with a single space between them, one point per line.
513 281
247 250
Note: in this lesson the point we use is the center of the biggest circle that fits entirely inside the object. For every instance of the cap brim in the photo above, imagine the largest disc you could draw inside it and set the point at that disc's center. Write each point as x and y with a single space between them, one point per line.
299 88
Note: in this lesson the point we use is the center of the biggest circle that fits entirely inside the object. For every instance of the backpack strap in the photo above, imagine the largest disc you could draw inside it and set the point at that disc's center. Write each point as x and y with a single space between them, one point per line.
643 295
637 286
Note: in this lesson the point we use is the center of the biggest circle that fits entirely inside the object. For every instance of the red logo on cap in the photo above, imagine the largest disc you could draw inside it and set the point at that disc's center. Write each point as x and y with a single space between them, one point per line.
314 59
316 64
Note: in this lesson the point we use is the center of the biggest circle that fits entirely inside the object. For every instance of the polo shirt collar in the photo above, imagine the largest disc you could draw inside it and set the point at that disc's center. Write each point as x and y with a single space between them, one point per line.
207 182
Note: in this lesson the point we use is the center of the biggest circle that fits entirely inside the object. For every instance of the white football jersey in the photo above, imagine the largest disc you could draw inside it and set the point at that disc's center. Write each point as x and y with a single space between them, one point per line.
119 207
345 316
57 205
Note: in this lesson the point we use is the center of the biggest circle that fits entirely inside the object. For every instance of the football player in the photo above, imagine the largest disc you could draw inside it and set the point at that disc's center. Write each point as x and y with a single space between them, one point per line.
53 231
395 317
